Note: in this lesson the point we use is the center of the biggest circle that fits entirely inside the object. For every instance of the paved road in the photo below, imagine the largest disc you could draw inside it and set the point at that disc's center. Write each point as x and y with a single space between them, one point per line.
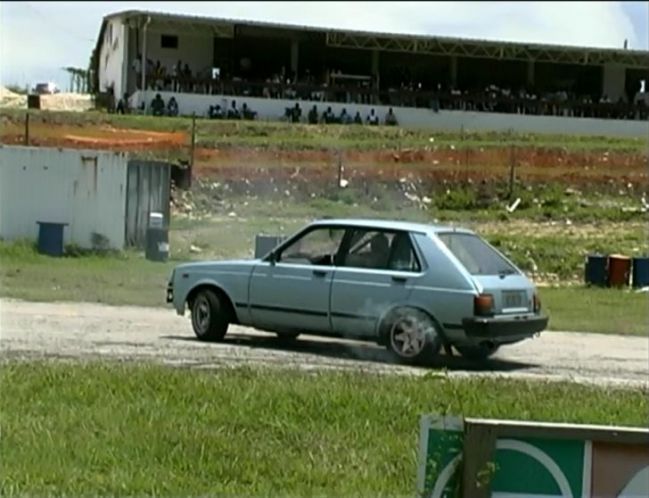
83 330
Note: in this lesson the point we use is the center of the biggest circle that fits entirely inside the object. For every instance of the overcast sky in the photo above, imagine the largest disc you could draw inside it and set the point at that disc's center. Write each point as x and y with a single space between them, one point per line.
38 38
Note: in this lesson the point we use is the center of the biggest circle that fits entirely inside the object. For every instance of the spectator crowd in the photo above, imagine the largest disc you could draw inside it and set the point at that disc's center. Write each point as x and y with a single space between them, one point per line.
355 89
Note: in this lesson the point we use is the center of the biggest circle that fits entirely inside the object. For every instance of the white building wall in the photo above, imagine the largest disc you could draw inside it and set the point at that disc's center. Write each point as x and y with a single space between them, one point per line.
111 58
84 188
273 110
613 81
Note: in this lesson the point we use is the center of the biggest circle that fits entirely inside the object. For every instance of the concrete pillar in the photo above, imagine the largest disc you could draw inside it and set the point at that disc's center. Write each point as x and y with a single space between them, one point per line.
454 70
614 81
530 74
295 50
375 67
126 61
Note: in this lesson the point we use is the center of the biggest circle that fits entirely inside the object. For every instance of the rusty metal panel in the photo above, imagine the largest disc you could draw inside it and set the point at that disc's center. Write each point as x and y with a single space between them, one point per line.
84 188
148 190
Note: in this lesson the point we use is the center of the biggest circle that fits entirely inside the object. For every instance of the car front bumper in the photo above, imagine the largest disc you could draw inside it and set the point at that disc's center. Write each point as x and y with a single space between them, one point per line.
504 330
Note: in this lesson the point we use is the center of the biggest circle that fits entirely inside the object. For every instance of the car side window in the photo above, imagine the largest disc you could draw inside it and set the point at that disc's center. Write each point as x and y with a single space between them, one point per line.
380 250
402 254
316 247
368 249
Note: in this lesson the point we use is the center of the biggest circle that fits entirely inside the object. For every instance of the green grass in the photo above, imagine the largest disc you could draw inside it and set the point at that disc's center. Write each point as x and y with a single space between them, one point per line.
597 310
124 429
129 279
285 135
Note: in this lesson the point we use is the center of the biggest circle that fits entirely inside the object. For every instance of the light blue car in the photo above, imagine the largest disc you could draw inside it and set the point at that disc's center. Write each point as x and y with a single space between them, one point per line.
414 288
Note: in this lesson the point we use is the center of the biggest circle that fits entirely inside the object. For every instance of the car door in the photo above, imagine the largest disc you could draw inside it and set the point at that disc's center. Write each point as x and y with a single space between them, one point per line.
292 292
377 270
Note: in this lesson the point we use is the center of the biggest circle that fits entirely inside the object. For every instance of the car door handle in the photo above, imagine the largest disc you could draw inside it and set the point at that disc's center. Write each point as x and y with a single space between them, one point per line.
396 278
319 273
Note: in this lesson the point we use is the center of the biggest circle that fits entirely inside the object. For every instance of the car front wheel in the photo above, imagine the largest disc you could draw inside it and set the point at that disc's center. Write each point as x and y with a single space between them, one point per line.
209 316
411 336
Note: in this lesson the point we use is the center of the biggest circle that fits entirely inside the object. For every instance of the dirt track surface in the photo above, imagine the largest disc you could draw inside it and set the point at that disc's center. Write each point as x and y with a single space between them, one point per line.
80 331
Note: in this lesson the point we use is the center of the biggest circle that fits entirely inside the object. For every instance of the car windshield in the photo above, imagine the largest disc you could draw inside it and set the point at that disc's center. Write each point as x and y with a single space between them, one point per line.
478 257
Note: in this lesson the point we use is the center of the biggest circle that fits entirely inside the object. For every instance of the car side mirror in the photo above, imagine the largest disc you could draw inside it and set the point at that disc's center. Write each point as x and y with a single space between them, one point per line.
272 258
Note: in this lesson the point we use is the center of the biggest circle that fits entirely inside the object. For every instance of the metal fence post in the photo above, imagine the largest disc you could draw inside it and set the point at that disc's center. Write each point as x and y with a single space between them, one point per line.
26 137
193 147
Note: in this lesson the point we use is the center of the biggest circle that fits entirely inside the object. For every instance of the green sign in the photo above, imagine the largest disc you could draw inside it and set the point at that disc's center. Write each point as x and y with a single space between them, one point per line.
551 465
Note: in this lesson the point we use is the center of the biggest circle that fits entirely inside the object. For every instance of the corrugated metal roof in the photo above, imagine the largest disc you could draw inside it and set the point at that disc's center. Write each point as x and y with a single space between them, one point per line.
217 20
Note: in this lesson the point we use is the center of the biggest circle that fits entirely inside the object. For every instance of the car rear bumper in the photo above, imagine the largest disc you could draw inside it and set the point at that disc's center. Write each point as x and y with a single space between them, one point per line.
504 330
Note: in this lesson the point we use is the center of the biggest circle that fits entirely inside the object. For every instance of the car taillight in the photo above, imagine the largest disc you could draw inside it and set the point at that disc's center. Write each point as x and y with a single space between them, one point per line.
483 305
537 303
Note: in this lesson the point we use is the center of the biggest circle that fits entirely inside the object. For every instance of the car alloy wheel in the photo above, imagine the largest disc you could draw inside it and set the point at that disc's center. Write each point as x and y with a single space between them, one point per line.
210 318
202 314
411 336
408 337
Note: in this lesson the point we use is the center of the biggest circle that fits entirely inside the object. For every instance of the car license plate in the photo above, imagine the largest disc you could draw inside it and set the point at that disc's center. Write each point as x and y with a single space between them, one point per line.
513 299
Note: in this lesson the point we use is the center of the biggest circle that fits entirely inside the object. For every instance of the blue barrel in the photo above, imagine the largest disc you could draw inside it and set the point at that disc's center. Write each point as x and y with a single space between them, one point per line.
596 272
640 272
50 238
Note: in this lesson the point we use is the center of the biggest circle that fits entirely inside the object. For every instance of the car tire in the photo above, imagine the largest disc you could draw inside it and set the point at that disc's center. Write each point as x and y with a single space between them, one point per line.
209 316
411 336
476 353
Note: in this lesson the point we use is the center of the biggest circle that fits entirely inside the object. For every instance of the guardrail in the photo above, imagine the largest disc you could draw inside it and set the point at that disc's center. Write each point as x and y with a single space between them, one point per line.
477 458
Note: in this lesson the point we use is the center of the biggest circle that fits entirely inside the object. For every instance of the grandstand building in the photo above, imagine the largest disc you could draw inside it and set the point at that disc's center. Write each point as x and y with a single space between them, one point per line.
429 81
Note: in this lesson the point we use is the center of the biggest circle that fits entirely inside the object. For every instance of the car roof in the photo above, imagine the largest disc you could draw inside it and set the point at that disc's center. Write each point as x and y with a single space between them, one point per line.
389 225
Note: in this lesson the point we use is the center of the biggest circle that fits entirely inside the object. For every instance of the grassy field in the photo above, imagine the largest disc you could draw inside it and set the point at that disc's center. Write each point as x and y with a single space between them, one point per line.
279 135
120 429
129 279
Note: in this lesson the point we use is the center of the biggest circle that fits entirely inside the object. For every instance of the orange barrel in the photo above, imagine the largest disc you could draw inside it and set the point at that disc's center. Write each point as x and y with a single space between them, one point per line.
619 269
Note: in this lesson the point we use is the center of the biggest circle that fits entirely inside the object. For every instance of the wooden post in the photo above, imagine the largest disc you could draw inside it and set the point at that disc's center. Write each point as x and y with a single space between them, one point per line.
340 168
26 137
478 455
193 147
466 156
512 170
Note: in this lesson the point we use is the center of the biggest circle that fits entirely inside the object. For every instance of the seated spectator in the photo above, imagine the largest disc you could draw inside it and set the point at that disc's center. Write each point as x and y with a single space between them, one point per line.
373 119
358 119
122 105
158 106
215 112
344 117
247 113
328 116
390 118
233 112
296 114
172 107
313 115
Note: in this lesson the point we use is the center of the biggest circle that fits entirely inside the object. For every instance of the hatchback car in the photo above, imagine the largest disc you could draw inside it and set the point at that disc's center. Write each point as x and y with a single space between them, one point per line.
414 288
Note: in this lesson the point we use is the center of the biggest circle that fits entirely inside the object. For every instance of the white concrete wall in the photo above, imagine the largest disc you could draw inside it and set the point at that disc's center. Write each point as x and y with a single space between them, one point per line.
84 188
112 58
196 50
613 81
271 109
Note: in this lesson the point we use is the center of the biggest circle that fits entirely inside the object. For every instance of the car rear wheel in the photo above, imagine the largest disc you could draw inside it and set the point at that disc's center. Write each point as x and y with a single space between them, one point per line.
477 353
411 336
209 316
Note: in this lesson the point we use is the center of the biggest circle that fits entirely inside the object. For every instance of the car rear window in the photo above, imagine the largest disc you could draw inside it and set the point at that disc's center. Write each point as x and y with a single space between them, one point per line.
478 257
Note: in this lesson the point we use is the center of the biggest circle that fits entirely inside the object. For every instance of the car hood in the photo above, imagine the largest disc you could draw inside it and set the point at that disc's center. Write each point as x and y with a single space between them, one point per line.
224 265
